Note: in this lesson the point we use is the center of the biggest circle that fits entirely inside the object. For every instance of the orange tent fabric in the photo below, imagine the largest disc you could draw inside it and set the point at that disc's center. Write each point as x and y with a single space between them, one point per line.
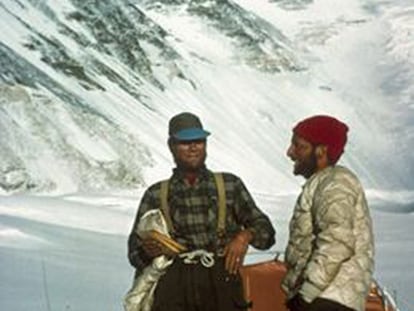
262 288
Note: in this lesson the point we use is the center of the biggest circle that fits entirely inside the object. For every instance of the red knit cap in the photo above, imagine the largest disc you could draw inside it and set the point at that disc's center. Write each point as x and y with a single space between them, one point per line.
324 130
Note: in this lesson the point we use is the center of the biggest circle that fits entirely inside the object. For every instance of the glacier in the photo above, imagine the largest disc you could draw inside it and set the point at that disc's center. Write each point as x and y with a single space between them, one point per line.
87 89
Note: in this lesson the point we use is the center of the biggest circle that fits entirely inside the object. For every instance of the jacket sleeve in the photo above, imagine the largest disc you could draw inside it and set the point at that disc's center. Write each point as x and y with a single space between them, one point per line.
136 255
333 212
252 218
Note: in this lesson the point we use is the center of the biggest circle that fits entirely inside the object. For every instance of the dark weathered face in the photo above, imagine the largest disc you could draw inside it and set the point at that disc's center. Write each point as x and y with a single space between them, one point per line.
189 155
302 153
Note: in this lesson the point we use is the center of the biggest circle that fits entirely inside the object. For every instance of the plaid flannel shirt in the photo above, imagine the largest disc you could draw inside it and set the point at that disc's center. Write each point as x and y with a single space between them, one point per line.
194 211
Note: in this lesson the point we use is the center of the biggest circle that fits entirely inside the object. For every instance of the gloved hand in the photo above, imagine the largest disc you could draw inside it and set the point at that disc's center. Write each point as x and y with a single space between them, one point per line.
297 303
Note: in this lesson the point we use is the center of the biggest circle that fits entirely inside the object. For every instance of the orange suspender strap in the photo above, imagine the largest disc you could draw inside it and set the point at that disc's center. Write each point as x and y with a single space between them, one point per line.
221 217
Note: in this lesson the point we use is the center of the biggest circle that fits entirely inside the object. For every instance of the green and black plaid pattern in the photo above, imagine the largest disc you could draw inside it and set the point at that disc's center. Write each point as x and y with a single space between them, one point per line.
194 211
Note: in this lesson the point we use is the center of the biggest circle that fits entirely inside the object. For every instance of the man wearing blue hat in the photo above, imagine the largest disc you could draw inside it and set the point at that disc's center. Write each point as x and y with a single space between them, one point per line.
211 215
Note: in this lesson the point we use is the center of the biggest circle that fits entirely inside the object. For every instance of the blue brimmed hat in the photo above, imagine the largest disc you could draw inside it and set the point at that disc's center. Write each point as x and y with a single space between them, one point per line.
186 126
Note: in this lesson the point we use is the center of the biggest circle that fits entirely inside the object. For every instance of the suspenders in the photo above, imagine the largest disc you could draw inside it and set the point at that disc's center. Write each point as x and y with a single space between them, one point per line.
221 215
165 209
221 218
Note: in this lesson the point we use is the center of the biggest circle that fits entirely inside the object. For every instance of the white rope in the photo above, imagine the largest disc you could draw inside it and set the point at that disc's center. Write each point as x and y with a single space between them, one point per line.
199 255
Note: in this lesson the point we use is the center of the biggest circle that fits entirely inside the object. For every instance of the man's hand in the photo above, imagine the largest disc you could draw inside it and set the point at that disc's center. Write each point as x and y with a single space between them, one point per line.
236 250
151 247
297 303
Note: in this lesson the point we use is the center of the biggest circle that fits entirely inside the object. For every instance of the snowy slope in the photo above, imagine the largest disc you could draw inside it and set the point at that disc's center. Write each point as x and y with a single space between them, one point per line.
69 252
88 88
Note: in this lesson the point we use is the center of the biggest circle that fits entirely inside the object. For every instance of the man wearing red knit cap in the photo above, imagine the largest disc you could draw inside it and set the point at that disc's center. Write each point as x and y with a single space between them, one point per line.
330 253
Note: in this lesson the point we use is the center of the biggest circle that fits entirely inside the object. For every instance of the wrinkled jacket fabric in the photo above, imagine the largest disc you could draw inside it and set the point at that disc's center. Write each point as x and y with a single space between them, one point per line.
331 249
141 296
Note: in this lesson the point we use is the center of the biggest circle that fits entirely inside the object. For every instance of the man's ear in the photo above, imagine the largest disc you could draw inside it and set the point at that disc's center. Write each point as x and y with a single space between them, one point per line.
171 144
321 152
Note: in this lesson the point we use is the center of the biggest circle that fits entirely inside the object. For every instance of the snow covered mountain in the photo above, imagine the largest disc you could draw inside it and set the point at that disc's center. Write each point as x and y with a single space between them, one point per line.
87 87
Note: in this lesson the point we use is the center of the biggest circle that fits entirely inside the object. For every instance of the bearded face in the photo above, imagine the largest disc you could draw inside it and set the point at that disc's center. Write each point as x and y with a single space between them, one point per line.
302 153
189 155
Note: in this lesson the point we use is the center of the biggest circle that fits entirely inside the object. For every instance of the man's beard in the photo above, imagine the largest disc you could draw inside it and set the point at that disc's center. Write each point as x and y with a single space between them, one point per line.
307 166
191 167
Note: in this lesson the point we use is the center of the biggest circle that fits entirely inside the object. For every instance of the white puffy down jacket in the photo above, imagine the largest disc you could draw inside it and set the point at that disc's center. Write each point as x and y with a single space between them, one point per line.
330 253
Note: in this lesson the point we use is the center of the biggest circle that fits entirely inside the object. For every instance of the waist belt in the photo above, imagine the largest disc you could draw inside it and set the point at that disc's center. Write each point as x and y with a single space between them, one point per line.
198 256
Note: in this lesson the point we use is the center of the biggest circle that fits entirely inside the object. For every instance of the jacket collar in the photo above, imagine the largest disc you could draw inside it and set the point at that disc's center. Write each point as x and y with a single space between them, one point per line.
318 175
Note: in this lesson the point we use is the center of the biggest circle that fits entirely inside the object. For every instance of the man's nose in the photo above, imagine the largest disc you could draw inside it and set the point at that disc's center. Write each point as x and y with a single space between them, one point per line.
290 151
193 145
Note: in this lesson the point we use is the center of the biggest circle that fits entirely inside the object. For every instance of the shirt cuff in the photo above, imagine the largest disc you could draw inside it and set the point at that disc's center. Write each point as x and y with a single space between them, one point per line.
309 292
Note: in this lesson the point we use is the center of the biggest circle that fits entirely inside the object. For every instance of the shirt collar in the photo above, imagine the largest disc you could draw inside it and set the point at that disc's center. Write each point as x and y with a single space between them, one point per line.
178 175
